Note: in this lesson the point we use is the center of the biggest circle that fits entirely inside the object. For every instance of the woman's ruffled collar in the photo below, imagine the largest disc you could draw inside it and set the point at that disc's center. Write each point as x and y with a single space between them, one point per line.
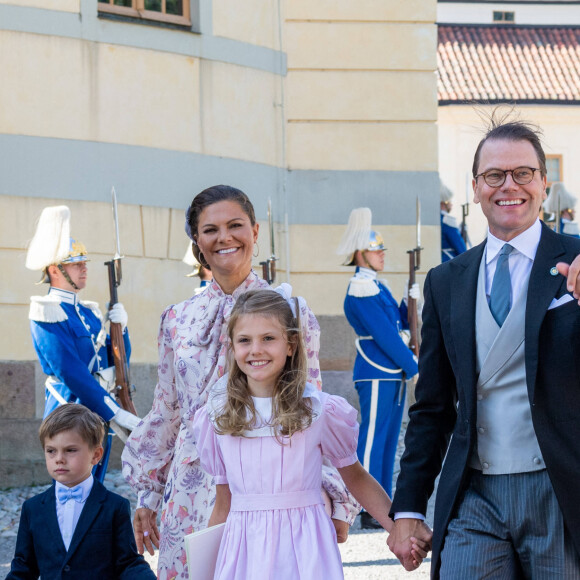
211 309
218 396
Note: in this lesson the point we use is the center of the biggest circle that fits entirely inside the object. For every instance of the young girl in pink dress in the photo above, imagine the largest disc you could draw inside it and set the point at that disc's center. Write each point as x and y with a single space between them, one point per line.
262 435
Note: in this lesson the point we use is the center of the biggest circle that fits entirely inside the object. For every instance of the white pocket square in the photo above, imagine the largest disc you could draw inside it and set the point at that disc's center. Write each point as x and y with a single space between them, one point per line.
560 301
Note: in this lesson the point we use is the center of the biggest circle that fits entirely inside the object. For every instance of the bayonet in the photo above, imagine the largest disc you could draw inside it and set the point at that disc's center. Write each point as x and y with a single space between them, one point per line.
418 222
116 222
269 265
271 228
465 213
122 382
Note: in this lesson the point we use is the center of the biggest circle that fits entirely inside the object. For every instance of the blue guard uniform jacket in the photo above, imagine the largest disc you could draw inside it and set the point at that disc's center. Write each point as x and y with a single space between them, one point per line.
71 344
382 358
452 243
102 547
377 321
569 228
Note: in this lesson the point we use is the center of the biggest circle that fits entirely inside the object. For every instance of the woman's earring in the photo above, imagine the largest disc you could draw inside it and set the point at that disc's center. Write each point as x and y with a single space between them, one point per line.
256 249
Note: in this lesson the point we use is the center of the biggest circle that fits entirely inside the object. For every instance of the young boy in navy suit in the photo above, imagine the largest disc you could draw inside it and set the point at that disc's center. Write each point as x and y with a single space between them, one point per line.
77 528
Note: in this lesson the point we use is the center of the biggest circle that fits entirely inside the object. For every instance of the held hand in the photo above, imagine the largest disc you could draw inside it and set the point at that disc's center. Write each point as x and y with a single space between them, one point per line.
126 419
119 315
572 272
419 550
342 529
409 540
146 531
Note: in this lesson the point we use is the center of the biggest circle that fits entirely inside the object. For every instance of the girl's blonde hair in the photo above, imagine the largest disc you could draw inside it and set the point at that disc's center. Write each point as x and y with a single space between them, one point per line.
291 412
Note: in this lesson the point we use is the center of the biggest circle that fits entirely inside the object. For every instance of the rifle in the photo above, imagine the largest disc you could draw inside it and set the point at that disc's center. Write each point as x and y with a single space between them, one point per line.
414 265
269 265
122 383
464 214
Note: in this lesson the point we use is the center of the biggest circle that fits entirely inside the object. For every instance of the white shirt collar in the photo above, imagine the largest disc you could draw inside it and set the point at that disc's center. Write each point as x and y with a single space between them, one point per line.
366 273
525 243
85 485
263 406
64 295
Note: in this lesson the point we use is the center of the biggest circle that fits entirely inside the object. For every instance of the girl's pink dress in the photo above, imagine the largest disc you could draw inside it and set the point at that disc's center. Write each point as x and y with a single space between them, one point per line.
277 527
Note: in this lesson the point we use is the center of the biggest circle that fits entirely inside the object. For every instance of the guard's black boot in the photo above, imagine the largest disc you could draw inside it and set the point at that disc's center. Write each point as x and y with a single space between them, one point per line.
367 522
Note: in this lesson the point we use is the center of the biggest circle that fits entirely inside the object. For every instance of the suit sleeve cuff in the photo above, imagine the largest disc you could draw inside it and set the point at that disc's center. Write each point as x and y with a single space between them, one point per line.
409 515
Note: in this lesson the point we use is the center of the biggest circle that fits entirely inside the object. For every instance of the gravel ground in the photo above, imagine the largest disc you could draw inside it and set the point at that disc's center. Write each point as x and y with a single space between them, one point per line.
365 555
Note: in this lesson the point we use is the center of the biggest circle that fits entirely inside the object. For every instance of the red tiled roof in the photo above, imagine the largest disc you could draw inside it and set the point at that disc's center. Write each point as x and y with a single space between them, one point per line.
508 63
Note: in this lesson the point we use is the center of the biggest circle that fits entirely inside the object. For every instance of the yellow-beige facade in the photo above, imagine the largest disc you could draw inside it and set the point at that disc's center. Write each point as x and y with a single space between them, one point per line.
320 107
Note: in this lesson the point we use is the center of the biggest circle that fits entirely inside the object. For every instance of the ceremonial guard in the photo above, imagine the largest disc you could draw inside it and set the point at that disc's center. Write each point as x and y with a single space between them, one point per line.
452 243
383 359
204 274
68 334
561 204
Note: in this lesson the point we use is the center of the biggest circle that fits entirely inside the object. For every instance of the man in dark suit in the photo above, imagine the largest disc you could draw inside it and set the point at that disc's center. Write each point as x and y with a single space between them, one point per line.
498 390
76 529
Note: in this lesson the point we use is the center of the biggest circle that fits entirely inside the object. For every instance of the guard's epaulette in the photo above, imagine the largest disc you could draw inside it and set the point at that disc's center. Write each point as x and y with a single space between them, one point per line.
362 287
450 221
94 306
571 228
46 309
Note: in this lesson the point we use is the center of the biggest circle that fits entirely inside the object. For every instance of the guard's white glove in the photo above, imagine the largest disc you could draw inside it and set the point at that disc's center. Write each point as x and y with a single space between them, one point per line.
126 419
119 314
414 292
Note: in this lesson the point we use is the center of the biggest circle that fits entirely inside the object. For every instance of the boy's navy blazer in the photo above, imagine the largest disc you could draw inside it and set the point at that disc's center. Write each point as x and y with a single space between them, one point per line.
102 547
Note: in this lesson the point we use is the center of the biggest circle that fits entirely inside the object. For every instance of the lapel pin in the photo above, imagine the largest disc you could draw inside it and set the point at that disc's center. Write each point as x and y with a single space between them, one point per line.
554 271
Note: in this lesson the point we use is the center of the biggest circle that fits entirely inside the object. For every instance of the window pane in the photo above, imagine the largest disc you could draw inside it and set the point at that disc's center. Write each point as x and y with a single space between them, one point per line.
174 7
127 3
510 16
497 16
553 168
153 5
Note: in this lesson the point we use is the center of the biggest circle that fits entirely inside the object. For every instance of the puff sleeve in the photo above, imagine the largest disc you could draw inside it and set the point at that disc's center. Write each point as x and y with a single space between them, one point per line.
340 433
208 448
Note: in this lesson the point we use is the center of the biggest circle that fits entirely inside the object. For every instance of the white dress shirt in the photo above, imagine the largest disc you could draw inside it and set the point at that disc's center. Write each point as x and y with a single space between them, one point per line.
520 260
68 513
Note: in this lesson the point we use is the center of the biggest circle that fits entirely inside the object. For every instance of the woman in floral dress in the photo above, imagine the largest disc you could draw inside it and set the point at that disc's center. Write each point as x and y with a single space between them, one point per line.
160 460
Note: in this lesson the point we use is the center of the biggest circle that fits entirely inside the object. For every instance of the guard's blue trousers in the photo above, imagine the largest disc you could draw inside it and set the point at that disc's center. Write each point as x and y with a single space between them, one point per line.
381 404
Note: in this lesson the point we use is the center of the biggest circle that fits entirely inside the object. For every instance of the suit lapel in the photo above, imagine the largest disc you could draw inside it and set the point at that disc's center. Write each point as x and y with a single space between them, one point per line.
91 510
463 296
52 528
542 288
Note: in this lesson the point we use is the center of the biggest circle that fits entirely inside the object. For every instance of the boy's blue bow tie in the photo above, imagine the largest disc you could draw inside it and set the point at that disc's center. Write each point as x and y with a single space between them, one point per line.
63 494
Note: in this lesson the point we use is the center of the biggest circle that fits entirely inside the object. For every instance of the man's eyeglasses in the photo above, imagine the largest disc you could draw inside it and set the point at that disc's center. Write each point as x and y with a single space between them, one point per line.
496 177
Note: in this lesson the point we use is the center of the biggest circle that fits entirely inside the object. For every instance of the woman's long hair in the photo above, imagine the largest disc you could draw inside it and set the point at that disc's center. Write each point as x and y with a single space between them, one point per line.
291 412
